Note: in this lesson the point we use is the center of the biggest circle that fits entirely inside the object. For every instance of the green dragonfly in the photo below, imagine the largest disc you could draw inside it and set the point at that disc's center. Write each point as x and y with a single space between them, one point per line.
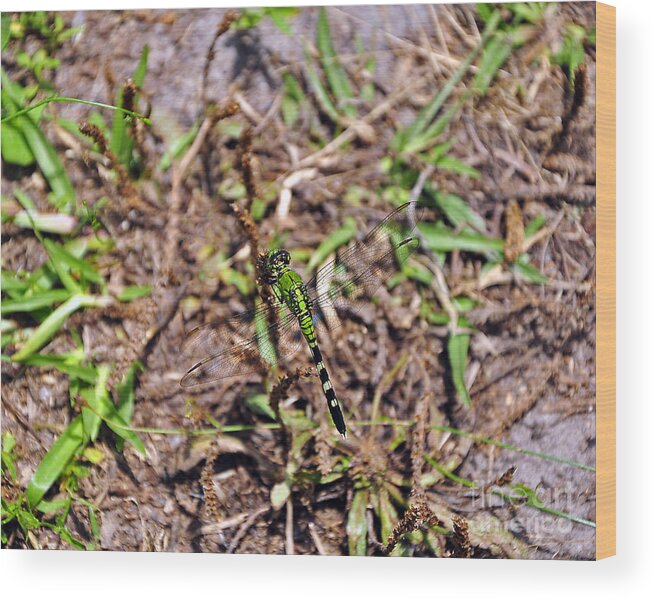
351 276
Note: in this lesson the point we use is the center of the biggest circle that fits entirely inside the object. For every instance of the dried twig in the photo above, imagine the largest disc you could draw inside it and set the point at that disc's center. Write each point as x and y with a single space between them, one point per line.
418 448
137 127
578 99
245 161
211 528
514 231
351 132
460 538
403 43
245 526
179 172
316 539
385 382
505 479
416 516
207 482
223 26
281 389
125 187
438 284
288 530
323 449
572 194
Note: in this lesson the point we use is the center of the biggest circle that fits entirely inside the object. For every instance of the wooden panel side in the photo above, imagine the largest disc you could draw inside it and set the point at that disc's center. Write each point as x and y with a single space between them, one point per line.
605 280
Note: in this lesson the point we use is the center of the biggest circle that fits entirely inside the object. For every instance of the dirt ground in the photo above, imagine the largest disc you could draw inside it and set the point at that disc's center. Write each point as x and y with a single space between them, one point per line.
531 371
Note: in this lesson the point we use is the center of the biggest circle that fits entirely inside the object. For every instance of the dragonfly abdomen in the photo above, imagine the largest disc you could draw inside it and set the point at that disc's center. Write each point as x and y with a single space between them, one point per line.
294 294
328 390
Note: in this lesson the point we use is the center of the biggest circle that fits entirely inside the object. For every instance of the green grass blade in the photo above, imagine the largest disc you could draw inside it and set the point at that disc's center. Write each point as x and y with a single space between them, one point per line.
457 211
11 282
64 364
94 526
15 149
521 495
43 279
572 53
332 243
427 137
51 223
53 506
126 394
142 68
458 346
132 292
493 442
292 87
381 423
35 301
532 12
95 396
449 474
494 55
357 526
427 114
44 153
280 493
535 225
178 147
54 462
259 404
292 99
66 100
525 495
59 267
101 405
316 85
121 143
441 239
54 322
454 165
59 254
334 72
529 272
387 514
266 347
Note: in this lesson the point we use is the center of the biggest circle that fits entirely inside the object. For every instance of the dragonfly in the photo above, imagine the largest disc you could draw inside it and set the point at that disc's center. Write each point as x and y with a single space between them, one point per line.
353 275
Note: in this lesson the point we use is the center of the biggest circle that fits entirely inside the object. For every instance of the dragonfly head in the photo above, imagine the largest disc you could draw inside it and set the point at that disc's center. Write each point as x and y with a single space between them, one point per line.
274 264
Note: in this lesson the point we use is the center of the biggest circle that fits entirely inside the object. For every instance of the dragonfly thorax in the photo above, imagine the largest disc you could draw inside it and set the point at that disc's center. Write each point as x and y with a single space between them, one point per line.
274 264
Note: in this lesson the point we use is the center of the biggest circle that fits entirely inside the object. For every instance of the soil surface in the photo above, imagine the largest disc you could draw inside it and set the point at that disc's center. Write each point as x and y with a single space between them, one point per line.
531 365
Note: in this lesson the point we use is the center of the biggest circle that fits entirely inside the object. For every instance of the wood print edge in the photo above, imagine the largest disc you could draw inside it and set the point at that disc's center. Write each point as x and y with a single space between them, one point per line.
606 280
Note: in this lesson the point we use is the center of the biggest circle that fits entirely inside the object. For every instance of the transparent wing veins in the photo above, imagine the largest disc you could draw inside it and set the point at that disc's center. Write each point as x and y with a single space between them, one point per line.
365 264
233 360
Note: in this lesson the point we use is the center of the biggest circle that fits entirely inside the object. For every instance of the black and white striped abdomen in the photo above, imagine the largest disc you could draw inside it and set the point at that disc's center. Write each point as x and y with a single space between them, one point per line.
328 390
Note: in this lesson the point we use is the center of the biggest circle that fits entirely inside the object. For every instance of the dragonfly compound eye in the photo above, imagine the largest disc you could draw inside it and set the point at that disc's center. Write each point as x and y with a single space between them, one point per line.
279 259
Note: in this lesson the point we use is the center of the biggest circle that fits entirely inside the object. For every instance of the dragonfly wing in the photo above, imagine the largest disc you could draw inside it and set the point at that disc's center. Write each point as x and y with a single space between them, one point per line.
210 357
356 260
236 347
366 265
215 338
236 360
